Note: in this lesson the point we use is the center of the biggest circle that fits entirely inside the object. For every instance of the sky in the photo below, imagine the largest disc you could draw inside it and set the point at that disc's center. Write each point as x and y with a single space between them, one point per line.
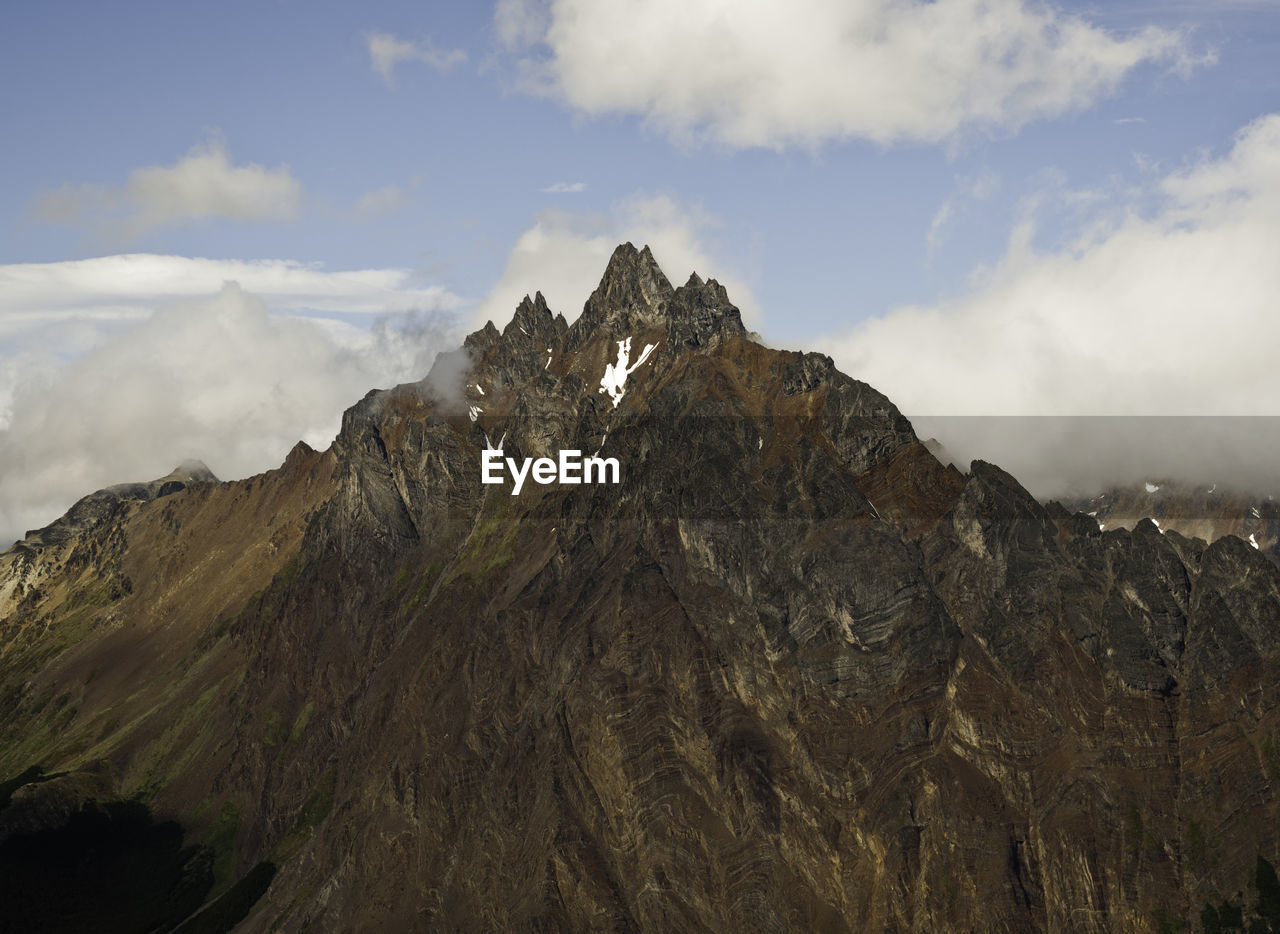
221 224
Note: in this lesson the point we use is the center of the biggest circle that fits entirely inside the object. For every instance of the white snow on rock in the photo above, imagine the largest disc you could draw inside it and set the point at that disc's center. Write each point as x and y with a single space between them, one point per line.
1253 541
1151 487
615 374
474 411
1254 510
479 389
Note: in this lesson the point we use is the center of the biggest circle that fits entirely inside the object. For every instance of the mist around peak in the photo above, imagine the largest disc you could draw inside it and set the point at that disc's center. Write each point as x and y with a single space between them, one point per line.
223 380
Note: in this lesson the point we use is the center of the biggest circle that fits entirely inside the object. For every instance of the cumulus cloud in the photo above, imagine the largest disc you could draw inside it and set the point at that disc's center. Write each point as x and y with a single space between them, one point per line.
202 184
802 73
562 188
564 254
387 51
219 378
1148 314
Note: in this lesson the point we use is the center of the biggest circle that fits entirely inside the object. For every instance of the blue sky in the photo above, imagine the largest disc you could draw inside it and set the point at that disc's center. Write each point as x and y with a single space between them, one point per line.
965 202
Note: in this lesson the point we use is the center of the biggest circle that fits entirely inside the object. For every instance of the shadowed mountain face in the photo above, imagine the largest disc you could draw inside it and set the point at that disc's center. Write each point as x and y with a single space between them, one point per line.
788 673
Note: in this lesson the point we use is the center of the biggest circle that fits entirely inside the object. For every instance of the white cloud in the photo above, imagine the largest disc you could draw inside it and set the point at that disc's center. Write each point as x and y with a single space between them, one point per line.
519 22
133 284
970 189
381 201
1172 312
801 73
65 326
387 51
561 188
202 184
218 378
564 254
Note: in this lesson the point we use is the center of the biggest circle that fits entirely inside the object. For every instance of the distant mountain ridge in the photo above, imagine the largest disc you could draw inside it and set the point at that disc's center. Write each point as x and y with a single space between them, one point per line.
97 507
790 673
1198 511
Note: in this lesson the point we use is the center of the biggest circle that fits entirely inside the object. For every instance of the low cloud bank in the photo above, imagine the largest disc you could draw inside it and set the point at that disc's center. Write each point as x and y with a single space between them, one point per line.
1072 456
222 379
1167 312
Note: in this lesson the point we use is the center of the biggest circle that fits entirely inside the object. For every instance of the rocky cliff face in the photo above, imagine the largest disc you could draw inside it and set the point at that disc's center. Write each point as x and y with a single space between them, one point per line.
790 673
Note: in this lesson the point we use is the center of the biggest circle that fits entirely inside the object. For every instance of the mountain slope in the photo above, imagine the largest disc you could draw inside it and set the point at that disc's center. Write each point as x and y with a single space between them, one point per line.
789 673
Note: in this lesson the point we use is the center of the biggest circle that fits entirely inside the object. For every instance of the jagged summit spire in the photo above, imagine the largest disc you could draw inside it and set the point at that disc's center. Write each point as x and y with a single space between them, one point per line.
632 279
635 293
529 313
534 322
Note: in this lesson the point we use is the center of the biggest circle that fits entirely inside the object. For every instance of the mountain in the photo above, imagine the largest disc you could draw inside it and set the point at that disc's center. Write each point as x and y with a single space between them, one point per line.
60 543
1206 512
789 672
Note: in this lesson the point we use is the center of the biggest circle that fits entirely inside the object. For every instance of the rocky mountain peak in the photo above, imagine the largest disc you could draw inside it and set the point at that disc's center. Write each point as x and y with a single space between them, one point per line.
634 294
192 470
632 280
110 502
478 341
534 320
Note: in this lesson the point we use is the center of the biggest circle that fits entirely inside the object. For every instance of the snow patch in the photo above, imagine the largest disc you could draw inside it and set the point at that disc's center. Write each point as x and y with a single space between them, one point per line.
615 374
474 411
1151 487
1253 541
479 389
